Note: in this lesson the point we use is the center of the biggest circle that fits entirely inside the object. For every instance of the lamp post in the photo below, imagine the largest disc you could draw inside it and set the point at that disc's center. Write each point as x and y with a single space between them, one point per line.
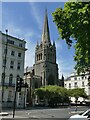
30 90
4 66
25 94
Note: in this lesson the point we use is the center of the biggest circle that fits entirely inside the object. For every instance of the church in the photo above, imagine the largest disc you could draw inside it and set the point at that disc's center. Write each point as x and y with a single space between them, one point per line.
45 58
45 70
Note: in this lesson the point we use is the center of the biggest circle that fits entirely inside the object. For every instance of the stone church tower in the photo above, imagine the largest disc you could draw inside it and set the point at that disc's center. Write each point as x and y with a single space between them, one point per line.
45 58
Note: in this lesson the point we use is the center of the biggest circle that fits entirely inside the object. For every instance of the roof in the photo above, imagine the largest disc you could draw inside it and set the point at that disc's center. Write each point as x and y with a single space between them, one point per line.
13 37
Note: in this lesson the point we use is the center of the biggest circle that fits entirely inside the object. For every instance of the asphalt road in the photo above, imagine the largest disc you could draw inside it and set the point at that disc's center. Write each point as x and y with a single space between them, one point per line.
45 114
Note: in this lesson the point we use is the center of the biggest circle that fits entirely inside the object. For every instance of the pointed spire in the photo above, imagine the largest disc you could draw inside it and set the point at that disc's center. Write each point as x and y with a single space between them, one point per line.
62 77
45 33
54 43
37 45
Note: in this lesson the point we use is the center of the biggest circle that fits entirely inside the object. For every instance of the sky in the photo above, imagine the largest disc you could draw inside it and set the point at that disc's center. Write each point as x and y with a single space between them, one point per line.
25 20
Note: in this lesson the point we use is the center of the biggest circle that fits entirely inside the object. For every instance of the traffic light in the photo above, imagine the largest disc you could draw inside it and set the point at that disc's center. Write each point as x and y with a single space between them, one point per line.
19 84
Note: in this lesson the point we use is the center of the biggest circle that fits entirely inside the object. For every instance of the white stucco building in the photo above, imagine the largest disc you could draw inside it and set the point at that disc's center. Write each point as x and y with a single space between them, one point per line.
78 81
13 52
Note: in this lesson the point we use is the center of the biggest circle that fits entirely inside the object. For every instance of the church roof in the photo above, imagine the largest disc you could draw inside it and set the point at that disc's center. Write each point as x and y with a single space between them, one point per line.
45 33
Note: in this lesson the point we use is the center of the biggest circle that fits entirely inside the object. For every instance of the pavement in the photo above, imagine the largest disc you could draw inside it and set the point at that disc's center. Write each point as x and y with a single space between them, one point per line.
42 113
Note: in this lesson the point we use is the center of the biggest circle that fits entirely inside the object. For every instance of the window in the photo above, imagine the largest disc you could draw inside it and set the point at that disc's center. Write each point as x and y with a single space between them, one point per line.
19 54
87 114
69 85
4 63
82 84
12 64
9 96
18 65
37 57
41 56
36 84
10 42
20 44
3 80
5 51
75 84
48 56
12 53
10 79
75 78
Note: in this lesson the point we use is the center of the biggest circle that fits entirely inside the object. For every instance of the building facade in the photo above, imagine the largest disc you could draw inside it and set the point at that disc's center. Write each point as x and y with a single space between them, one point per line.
78 81
13 54
45 58
33 82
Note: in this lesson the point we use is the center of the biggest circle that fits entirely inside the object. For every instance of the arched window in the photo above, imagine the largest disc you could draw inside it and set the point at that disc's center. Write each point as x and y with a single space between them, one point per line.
36 84
41 56
10 79
3 78
37 57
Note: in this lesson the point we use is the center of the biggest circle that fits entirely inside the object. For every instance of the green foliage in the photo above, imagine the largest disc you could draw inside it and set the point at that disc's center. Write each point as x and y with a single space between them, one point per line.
74 22
40 92
77 92
54 94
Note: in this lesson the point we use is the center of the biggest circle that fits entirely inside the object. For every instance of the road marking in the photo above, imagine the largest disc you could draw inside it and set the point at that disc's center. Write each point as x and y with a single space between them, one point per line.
75 112
33 117
29 113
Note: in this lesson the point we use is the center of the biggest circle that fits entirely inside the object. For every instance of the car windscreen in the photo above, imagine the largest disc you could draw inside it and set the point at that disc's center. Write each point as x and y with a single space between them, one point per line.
81 113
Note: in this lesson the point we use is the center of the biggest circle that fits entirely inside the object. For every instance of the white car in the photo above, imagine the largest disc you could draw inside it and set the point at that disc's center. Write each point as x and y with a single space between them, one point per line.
82 116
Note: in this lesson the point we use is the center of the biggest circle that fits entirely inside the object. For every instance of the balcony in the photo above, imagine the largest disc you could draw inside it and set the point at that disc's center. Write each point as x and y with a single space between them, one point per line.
8 84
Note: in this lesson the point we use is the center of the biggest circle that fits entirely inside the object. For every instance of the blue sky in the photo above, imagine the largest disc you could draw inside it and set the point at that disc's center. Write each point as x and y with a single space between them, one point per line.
25 20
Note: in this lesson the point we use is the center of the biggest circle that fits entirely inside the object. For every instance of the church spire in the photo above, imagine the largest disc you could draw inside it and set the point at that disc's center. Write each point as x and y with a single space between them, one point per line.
45 33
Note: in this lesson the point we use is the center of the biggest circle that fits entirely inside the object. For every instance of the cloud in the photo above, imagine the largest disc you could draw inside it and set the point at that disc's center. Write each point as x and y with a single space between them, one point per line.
30 45
58 45
18 32
12 30
65 67
30 54
36 15
29 34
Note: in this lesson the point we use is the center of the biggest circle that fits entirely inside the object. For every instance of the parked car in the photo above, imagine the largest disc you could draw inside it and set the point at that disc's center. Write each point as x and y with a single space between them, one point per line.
84 116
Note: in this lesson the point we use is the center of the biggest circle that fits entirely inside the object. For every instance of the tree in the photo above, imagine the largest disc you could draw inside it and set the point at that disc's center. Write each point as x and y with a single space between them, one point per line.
54 94
77 92
74 22
40 92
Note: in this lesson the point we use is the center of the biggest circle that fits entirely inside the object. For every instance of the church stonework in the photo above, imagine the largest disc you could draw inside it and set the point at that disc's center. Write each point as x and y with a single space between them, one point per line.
45 58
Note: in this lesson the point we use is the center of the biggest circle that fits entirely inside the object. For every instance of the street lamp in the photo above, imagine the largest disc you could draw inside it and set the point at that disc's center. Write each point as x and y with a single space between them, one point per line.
4 66
30 90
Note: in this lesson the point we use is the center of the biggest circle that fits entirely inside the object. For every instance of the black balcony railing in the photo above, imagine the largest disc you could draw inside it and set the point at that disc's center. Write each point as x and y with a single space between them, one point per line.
8 84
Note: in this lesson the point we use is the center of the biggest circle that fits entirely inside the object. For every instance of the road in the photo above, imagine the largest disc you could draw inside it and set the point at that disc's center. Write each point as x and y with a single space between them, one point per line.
47 113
